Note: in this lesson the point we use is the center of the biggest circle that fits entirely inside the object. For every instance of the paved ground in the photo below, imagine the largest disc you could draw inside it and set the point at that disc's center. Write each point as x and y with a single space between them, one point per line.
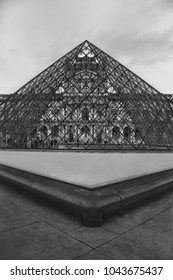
31 229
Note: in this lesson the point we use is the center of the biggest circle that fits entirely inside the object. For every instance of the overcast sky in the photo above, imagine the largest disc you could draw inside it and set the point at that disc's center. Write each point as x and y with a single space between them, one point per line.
35 33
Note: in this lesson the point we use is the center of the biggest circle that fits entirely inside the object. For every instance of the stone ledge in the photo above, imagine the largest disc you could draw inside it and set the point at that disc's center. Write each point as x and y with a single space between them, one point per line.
91 205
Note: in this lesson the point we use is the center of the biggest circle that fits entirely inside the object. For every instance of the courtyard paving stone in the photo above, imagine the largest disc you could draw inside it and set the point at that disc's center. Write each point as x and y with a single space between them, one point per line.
134 217
140 244
162 222
94 255
93 237
12 216
57 218
42 210
39 241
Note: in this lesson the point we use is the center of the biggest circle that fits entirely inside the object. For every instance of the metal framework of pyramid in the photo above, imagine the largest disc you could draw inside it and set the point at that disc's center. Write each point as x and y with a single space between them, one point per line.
87 100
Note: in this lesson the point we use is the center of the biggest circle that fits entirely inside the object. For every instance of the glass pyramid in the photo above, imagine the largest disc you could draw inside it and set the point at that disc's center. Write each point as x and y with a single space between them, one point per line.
87 100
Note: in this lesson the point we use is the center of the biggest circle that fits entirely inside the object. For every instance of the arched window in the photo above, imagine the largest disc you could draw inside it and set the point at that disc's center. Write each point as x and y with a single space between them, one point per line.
137 134
23 137
116 132
85 130
33 132
44 130
99 137
85 114
55 130
71 138
127 132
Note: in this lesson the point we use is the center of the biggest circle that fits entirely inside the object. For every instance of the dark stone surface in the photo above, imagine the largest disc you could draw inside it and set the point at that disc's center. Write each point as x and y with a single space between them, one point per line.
40 210
56 218
92 217
94 255
93 237
132 218
13 216
39 241
140 244
162 222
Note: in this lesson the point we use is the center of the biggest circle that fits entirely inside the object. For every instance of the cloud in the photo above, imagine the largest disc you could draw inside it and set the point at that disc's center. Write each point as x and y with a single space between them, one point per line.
147 48
35 33
166 3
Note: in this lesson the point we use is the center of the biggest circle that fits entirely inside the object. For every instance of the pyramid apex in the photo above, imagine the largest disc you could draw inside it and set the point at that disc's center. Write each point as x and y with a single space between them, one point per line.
85 42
